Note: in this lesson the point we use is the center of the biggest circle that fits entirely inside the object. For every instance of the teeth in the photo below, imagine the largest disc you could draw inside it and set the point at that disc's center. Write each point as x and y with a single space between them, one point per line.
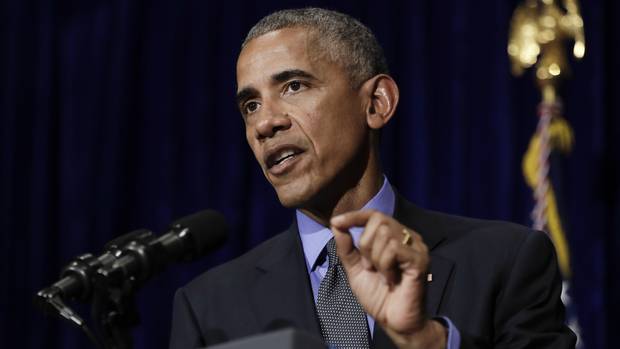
284 155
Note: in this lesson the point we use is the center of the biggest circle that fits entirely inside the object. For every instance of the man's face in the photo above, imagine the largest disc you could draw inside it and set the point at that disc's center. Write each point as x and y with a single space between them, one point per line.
303 121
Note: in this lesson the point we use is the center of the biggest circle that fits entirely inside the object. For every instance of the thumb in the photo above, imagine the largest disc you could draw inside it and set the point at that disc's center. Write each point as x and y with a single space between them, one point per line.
348 254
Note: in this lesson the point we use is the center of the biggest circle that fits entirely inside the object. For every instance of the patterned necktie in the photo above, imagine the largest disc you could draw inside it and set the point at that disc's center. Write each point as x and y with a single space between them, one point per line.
342 319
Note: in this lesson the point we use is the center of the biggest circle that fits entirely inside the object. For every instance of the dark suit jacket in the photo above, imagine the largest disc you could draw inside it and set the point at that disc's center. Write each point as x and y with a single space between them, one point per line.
498 282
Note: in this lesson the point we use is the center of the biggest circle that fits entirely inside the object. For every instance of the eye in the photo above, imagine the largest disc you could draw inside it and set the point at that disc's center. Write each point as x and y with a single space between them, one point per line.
294 86
250 107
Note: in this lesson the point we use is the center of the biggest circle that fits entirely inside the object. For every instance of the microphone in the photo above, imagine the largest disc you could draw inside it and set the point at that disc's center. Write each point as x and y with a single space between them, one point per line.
189 238
137 256
75 282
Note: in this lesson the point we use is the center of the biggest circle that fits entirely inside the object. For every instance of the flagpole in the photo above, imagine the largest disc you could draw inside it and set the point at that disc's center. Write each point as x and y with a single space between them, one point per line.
538 32
539 29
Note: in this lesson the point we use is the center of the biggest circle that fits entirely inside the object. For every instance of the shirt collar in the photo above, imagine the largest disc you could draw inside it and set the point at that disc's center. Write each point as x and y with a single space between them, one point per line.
314 236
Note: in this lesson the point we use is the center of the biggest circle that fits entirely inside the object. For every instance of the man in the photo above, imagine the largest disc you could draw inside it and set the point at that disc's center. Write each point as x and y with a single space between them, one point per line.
314 92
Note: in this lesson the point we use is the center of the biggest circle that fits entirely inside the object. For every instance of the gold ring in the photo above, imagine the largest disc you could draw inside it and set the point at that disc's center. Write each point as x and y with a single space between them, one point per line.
407 239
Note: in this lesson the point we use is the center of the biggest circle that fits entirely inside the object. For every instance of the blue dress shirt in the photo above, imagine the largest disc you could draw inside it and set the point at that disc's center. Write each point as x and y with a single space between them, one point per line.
315 236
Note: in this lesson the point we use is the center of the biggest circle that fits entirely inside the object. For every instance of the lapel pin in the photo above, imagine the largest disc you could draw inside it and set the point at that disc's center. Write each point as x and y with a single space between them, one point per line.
429 277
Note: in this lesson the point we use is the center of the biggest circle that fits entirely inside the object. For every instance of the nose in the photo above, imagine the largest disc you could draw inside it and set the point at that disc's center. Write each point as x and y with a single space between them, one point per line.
272 123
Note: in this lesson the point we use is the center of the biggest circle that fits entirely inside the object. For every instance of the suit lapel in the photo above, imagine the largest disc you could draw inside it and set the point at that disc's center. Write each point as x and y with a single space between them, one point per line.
440 268
440 271
281 294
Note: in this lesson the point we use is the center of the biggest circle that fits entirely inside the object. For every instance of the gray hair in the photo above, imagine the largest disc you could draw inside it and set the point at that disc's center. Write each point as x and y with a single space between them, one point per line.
343 38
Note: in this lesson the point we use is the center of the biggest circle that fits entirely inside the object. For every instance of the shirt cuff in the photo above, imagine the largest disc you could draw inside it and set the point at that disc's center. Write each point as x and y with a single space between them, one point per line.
454 336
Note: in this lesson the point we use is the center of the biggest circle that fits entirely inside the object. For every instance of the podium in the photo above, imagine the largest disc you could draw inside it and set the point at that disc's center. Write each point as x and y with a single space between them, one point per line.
288 338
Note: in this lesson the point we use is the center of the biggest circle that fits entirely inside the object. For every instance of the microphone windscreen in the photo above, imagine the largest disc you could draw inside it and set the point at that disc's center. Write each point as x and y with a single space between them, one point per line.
207 229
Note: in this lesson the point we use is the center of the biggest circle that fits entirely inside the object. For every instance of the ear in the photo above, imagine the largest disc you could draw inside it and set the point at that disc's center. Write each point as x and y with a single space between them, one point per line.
382 93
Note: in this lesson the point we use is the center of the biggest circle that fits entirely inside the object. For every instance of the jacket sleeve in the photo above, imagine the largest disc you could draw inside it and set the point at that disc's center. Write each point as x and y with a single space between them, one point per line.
529 312
185 333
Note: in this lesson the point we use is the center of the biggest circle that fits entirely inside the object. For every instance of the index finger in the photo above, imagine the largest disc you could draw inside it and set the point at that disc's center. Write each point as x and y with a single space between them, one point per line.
352 219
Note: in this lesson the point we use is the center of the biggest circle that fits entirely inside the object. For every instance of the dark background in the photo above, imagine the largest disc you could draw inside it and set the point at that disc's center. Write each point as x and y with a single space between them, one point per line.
116 115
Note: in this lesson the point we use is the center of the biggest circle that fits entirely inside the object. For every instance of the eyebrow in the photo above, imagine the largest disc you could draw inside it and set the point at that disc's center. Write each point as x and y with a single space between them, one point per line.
283 76
289 74
246 93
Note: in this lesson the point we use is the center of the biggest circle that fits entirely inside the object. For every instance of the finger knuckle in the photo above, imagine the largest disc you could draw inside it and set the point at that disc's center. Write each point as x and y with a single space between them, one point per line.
384 231
393 245
364 247
379 216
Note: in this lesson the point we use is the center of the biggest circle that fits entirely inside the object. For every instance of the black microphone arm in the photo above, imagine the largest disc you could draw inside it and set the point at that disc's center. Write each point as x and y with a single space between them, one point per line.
77 277
109 281
189 238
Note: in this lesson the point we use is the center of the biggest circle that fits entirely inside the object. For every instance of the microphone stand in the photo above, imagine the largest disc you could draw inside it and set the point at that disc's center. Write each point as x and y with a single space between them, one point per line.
114 306
115 312
51 303
113 309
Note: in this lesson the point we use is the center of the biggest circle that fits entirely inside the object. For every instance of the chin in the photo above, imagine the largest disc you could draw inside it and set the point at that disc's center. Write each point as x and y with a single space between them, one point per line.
290 200
293 196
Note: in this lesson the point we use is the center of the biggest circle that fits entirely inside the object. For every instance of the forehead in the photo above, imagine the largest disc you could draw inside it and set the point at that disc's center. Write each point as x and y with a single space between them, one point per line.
276 51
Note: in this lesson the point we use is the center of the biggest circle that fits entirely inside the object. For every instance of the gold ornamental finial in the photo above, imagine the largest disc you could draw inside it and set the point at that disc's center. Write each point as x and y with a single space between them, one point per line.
537 32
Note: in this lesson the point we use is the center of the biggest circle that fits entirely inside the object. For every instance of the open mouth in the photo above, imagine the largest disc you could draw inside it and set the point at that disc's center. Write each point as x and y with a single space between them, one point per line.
278 157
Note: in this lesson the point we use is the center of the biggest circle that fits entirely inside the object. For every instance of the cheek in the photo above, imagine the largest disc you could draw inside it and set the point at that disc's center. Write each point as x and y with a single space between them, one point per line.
253 145
248 136
336 140
333 124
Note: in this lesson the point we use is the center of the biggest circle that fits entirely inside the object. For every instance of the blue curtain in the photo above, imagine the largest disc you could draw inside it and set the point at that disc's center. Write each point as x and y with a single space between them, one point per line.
116 115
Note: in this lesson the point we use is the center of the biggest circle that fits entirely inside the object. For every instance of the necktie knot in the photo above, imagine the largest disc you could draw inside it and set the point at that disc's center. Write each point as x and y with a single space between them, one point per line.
331 253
